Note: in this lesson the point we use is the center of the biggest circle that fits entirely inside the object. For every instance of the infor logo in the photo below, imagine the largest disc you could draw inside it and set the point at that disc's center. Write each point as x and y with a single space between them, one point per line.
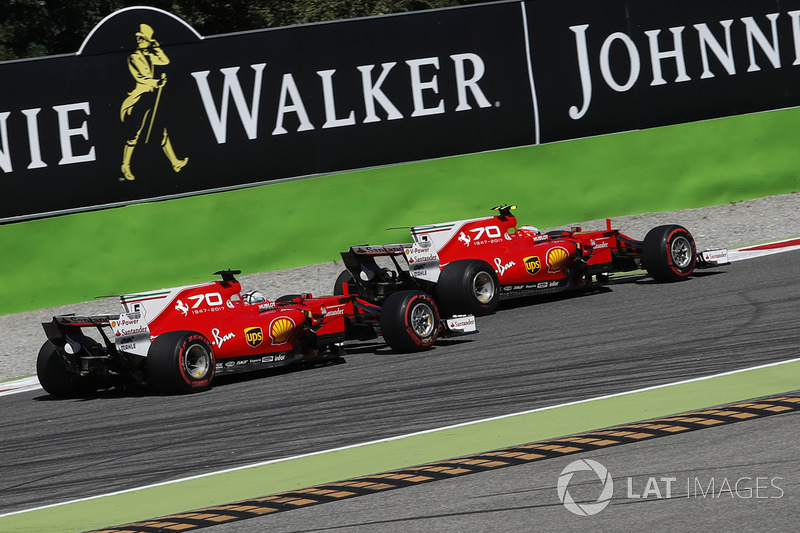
585 509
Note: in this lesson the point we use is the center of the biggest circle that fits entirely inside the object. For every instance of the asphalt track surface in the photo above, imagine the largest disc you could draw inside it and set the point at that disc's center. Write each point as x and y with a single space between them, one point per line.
743 477
633 334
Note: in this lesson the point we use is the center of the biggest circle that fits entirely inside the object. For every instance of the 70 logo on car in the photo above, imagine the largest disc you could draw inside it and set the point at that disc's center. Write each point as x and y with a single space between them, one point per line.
213 302
213 299
482 234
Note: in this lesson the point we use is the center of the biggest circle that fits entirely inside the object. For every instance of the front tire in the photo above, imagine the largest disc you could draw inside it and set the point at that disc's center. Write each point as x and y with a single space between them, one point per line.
468 286
180 361
54 377
409 321
669 253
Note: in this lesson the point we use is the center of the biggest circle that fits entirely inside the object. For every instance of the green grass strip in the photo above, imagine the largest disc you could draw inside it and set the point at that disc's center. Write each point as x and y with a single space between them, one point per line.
75 258
408 451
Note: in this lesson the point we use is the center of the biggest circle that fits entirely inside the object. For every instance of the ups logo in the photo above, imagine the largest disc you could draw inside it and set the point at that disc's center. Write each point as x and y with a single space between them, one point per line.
532 265
253 336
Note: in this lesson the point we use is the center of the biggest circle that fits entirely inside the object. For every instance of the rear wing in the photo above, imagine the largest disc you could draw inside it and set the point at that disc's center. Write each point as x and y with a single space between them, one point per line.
62 326
82 321
386 249
373 281
130 331
362 258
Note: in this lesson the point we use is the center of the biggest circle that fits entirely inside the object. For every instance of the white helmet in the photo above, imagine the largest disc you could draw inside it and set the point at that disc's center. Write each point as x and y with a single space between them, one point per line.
253 297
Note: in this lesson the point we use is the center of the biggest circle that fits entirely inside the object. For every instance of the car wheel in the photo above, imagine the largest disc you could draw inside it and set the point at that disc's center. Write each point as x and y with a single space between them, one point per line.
180 361
669 253
345 277
468 286
409 321
54 377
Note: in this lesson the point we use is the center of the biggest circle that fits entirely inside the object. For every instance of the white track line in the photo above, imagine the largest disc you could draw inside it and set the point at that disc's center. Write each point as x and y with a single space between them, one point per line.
398 437
760 250
19 385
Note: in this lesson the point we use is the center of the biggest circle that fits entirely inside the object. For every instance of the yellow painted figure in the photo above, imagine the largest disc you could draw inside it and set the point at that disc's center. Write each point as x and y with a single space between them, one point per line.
139 111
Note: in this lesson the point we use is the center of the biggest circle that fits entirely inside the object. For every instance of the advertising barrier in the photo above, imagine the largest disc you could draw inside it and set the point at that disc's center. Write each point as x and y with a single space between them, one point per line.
149 109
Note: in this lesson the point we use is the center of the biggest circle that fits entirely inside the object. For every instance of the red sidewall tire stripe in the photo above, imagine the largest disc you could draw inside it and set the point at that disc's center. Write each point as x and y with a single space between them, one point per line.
182 368
668 245
427 341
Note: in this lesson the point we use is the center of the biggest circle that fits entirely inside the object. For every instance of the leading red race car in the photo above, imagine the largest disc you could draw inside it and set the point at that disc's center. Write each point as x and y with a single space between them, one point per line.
178 339
468 266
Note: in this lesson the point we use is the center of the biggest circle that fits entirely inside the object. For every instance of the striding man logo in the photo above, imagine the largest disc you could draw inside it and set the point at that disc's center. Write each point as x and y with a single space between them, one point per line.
139 110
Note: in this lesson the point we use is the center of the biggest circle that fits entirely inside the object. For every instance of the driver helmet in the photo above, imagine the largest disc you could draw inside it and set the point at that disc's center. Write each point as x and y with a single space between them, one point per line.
528 231
253 297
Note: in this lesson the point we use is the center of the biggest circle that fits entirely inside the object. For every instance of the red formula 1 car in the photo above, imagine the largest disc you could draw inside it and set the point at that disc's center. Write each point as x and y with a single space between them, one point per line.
470 265
178 339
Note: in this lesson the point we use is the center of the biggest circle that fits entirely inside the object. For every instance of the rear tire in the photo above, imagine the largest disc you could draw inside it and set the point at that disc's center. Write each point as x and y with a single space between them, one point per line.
409 321
345 277
180 361
468 286
669 253
54 377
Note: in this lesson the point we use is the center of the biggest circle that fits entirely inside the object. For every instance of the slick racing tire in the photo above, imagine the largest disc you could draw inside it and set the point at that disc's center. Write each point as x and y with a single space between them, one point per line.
669 253
344 277
409 321
468 286
56 380
180 361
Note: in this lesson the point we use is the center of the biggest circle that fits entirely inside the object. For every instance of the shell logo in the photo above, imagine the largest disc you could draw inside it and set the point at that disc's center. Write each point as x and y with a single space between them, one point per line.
556 258
280 329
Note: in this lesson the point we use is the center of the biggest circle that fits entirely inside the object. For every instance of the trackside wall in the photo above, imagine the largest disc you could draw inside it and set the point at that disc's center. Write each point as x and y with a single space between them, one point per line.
224 112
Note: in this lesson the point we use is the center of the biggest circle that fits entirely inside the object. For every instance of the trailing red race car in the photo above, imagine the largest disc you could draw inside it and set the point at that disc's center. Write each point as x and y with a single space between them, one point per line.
179 339
468 266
